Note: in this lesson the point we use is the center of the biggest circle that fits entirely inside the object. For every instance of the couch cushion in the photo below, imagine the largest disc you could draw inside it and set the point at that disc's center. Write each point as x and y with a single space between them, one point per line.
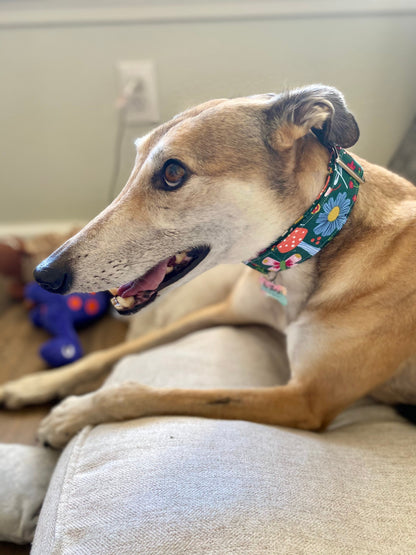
176 485
24 476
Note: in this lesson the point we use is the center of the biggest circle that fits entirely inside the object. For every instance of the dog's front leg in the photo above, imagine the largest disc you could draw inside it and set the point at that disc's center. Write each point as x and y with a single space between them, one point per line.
304 404
326 378
286 405
41 387
81 375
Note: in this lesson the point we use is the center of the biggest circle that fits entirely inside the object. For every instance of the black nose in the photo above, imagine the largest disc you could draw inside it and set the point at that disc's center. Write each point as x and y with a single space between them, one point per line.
53 277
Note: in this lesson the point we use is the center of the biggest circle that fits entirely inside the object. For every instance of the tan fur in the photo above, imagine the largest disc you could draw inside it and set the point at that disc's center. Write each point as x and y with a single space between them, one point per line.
256 167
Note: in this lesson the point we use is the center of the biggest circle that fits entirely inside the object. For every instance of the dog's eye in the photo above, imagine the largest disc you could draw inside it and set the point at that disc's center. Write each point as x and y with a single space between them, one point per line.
174 174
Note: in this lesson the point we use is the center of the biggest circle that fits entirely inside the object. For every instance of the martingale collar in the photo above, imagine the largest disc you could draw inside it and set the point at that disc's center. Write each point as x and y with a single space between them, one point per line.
319 224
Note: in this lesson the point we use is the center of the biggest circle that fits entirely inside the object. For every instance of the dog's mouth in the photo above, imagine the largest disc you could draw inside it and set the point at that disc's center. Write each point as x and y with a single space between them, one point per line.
137 294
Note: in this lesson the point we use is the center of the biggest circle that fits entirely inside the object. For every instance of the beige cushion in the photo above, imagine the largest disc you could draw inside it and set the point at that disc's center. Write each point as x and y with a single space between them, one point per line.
181 485
24 476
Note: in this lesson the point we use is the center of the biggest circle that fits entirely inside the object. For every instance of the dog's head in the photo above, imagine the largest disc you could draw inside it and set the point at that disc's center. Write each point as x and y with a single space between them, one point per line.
216 184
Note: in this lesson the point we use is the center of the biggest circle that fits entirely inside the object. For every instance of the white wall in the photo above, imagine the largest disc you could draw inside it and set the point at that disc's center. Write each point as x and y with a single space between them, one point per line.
59 85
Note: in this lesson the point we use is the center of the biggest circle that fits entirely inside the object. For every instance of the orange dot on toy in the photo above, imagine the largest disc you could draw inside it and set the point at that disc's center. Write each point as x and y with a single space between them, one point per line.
75 303
92 307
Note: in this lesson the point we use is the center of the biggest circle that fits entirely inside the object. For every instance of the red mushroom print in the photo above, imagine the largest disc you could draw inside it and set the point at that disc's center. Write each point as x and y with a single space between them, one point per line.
295 239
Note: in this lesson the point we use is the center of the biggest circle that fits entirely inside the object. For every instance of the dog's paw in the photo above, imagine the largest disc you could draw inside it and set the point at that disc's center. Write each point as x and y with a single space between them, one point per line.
28 390
65 421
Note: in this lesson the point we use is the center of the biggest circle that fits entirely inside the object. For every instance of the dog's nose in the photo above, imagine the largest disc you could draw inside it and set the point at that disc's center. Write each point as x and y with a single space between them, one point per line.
53 277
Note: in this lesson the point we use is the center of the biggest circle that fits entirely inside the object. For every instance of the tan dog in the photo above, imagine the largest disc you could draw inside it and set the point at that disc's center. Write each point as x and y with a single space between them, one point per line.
217 184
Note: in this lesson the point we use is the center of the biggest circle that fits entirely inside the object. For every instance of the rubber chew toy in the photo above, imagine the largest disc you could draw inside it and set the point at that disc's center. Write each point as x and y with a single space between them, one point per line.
60 316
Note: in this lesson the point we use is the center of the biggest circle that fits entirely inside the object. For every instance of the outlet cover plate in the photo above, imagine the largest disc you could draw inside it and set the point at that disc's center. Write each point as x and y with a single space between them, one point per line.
139 91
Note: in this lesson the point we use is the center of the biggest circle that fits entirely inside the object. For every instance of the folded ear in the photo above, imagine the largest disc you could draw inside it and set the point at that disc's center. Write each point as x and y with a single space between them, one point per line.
315 108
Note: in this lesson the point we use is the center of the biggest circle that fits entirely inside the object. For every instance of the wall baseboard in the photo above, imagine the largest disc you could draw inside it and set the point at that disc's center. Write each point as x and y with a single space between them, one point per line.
30 229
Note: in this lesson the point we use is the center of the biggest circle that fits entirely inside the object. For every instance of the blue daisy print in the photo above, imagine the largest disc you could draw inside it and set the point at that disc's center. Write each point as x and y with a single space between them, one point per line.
333 215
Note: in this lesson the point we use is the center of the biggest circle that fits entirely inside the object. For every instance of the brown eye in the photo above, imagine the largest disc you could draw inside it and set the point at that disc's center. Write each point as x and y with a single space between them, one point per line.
173 174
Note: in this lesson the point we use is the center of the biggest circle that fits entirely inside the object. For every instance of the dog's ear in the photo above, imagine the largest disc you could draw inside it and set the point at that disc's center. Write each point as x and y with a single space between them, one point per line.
316 108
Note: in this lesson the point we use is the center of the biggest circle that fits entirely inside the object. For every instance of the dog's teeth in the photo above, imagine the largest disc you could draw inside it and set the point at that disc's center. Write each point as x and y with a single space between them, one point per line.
122 303
179 257
114 291
169 269
126 302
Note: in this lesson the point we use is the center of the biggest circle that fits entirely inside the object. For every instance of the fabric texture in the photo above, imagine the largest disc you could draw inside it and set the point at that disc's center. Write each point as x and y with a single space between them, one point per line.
24 477
181 485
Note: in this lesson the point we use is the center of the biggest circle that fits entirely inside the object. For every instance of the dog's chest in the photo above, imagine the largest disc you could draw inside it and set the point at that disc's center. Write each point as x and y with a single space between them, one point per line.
400 388
299 283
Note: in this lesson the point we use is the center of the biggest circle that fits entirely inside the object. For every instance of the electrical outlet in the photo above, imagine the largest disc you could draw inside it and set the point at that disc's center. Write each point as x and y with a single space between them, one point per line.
138 92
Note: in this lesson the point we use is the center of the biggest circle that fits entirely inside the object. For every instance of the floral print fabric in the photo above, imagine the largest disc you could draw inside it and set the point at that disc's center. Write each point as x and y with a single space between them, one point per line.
320 223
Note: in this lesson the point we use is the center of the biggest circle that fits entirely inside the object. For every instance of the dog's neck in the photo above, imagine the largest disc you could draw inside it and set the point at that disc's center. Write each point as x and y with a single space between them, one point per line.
321 222
328 192
309 161
309 169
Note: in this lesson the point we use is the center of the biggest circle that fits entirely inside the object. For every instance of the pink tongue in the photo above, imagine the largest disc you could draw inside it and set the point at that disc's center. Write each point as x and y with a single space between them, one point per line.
149 282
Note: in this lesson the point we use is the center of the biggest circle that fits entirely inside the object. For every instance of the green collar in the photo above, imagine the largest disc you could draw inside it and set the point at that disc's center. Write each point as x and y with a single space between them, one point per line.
319 224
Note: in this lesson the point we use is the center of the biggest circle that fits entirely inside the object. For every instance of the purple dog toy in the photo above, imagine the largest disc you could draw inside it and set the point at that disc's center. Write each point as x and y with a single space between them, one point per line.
60 316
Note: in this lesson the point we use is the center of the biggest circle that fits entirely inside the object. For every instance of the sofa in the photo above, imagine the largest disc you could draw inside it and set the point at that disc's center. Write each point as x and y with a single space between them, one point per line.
179 485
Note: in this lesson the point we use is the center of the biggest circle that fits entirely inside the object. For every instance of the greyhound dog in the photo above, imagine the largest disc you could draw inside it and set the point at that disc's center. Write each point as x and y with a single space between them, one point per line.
225 182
